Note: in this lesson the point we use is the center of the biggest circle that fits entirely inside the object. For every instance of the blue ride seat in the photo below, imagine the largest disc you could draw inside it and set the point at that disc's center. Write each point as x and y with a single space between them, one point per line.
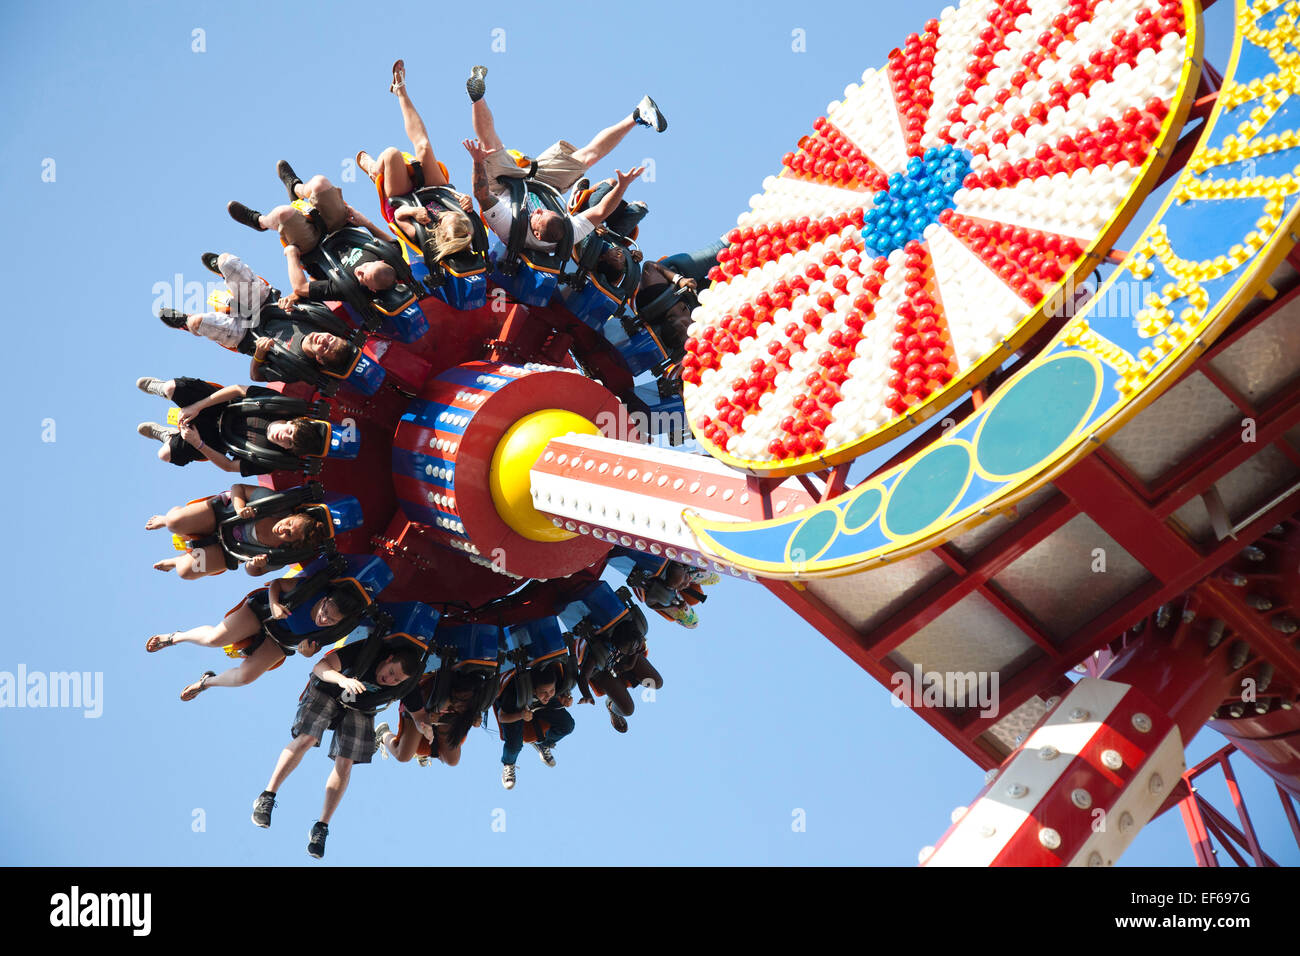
467 652
460 280
361 375
394 312
341 514
355 580
533 644
530 276
597 291
334 441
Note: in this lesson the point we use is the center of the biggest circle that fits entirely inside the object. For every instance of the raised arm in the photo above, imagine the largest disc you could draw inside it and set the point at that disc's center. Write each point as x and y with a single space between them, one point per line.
479 155
358 218
298 280
605 208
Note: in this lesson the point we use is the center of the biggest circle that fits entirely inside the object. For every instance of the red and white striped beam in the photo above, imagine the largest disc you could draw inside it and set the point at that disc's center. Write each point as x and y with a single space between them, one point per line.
635 495
1077 791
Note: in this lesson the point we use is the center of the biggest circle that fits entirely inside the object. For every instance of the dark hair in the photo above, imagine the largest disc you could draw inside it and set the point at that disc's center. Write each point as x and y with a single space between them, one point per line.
346 598
307 435
317 531
342 361
625 636
544 674
553 231
409 659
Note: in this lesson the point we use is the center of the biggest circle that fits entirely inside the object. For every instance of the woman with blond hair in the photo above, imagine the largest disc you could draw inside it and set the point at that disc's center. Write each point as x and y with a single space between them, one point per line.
431 226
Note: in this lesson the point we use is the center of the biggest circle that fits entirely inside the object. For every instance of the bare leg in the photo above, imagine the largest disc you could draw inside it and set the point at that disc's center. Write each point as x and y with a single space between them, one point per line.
419 138
196 518
614 690
604 142
237 625
289 758
190 569
335 787
485 129
643 671
250 668
397 179
404 748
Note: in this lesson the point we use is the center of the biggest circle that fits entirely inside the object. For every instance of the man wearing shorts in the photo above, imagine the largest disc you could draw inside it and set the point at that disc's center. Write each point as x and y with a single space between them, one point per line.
340 698
559 166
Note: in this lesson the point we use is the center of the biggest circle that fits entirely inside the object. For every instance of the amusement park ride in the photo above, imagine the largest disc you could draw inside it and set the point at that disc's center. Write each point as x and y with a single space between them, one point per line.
1102 461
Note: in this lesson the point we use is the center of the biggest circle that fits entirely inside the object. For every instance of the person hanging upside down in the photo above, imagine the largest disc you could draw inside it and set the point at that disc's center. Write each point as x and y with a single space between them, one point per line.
257 628
290 532
446 232
199 436
624 667
428 734
559 166
544 722
249 292
300 235
338 696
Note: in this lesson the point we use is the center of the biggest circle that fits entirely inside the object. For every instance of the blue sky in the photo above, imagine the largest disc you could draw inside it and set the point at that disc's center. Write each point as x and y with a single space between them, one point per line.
760 716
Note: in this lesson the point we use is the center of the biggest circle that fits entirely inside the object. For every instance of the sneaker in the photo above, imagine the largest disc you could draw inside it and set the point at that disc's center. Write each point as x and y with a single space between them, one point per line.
172 318
245 216
508 776
288 177
475 85
379 740
647 114
544 752
151 386
155 431
424 760
262 808
316 846
209 260
615 718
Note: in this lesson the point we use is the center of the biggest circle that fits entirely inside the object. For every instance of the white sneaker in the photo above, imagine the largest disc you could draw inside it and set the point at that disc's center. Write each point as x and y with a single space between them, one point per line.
155 431
548 758
647 114
508 776
379 740
151 386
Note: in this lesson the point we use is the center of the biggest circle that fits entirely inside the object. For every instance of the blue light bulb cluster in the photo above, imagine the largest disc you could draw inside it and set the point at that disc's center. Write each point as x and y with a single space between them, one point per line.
914 199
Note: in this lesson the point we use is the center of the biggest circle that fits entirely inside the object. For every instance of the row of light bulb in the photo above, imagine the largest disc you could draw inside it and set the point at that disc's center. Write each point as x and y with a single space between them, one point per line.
785 197
1077 207
868 116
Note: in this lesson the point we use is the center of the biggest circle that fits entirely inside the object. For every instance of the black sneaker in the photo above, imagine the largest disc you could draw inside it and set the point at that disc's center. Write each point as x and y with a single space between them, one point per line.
245 216
647 114
319 831
617 719
172 319
475 85
262 808
210 262
288 177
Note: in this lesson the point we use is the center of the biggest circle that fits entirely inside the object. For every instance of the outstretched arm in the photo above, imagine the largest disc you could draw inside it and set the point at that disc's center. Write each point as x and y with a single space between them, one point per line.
479 155
358 218
298 280
605 208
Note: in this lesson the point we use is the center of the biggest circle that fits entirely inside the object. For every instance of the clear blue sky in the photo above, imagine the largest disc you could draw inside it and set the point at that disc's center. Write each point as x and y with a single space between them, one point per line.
760 716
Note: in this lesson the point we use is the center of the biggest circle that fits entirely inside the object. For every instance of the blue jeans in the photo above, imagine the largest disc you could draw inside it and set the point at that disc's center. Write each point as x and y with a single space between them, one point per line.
559 725
695 265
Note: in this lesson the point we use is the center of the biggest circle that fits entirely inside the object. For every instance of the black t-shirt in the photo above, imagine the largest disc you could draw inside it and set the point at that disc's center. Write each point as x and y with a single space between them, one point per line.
209 422
328 290
376 696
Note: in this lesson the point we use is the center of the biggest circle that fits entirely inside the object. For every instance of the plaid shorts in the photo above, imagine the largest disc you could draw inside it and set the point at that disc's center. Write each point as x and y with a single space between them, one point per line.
354 731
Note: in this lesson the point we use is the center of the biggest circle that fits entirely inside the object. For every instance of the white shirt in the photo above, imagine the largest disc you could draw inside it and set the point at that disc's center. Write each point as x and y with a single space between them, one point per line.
499 219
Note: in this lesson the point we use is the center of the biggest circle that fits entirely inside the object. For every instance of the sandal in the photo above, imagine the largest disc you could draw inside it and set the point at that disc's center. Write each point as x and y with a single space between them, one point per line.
362 166
202 682
399 76
159 641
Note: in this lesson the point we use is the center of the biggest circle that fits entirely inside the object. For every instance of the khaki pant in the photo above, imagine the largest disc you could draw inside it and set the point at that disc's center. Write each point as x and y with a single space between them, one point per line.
556 167
298 231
